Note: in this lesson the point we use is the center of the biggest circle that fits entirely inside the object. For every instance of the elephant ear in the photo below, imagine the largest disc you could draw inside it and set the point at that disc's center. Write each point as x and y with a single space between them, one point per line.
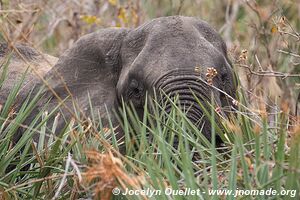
92 66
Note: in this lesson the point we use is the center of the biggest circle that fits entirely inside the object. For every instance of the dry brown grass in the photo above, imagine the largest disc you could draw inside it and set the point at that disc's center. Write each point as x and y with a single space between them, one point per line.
107 172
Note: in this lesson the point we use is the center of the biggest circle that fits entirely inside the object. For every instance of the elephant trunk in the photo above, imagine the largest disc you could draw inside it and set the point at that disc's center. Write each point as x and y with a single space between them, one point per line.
189 89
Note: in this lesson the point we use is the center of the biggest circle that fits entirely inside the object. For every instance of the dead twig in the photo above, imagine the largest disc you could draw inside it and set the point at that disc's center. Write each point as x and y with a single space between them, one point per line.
19 11
268 73
288 53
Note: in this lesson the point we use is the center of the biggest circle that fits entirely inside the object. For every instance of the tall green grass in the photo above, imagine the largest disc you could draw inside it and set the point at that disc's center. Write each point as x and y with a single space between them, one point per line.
255 156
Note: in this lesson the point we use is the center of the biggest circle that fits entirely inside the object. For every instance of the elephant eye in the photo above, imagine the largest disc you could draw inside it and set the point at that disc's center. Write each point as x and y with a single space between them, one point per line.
135 89
224 77
136 92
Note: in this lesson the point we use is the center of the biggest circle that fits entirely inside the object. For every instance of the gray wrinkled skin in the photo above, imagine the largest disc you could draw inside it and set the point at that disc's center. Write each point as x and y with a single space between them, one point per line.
112 64
18 64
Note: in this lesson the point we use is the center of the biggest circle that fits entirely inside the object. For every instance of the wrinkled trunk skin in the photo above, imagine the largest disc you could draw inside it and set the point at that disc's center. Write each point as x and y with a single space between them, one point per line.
189 89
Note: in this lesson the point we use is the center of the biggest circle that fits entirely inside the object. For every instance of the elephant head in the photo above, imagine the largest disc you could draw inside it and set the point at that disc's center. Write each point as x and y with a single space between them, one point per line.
117 63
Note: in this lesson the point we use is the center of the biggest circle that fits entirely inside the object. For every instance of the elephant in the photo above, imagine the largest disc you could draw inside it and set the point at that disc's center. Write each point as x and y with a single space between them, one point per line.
113 65
22 58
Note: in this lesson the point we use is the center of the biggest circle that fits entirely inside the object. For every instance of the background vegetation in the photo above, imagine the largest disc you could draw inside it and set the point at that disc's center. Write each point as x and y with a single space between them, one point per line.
262 36
263 139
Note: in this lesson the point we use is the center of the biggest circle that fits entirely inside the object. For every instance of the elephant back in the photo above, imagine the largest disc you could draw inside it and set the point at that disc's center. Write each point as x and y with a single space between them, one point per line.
22 59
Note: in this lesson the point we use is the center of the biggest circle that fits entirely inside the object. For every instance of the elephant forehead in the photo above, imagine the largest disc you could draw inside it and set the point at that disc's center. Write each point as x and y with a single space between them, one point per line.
160 50
187 28
177 33
159 28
